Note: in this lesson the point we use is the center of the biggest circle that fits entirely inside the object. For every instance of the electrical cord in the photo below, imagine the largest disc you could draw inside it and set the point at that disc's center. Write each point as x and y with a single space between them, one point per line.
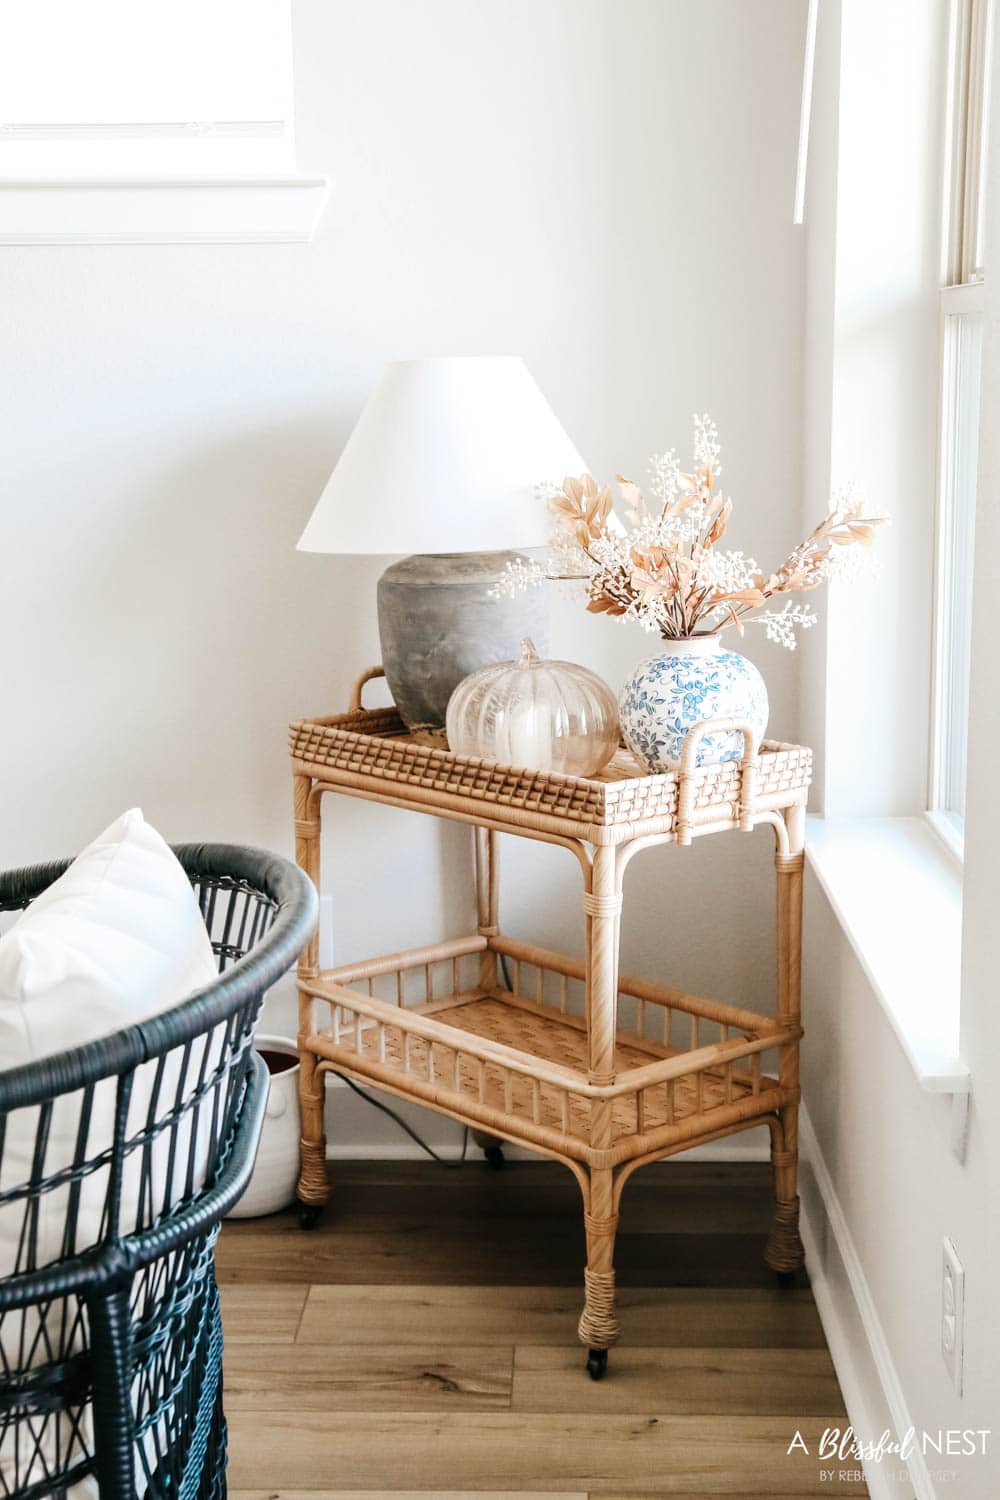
441 1160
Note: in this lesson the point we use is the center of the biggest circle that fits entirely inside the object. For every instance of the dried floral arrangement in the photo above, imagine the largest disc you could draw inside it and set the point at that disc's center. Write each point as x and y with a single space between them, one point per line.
666 570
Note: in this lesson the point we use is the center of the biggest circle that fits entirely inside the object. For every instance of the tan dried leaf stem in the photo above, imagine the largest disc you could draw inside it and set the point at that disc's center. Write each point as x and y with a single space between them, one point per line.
667 570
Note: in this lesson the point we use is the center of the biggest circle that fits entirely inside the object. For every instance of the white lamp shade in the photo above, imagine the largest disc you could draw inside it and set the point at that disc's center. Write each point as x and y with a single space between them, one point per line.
446 457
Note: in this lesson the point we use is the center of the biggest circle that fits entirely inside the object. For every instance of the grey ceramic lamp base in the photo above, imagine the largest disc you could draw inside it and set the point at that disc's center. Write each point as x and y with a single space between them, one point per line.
438 623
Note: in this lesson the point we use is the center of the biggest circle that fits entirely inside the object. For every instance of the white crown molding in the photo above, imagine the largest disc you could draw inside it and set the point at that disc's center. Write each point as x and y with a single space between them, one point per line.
93 211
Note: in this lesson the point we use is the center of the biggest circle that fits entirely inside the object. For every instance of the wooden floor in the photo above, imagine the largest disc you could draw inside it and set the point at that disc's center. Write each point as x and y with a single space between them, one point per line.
422 1342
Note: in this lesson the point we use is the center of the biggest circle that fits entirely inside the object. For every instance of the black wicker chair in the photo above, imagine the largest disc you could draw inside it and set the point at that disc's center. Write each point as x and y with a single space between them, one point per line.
110 1354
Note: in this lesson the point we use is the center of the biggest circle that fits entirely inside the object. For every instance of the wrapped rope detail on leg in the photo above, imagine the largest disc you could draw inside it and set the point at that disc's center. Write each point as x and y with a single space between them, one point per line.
598 1327
314 1186
784 1247
598 1226
602 906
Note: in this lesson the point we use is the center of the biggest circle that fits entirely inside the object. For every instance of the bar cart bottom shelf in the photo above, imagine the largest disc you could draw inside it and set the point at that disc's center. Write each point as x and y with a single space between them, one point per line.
549 1037
494 1033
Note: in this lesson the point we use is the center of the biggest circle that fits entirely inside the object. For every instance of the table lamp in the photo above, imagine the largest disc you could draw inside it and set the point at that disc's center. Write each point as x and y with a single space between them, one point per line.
444 463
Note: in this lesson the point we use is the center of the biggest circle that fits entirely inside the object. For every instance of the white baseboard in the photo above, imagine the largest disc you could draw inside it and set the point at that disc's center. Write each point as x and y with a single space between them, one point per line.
407 1150
869 1380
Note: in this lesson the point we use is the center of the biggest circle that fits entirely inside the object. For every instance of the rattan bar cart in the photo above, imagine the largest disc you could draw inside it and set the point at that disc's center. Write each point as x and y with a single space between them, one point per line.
600 1071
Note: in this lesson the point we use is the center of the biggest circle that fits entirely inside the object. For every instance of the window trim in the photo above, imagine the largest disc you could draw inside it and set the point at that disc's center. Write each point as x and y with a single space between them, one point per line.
954 301
158 211
949 834
969 45
962 293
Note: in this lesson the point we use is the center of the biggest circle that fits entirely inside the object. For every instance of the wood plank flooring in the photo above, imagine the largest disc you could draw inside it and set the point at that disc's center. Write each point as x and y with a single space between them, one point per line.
420 1344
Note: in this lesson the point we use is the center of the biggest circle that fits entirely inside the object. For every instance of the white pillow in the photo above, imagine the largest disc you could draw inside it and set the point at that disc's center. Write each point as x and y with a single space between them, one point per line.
116 939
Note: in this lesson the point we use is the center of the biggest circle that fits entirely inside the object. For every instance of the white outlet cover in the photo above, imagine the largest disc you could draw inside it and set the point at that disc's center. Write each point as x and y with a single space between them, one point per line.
952 1313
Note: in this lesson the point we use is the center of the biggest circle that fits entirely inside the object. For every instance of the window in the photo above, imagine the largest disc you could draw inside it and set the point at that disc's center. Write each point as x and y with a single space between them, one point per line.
114 89
961 348
170 119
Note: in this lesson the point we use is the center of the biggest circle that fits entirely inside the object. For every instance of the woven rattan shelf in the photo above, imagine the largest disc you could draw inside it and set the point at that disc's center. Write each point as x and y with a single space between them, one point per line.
362 747
599 1070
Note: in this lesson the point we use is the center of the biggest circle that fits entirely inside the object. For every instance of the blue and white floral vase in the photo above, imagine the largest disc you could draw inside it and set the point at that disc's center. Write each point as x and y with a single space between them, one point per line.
691 681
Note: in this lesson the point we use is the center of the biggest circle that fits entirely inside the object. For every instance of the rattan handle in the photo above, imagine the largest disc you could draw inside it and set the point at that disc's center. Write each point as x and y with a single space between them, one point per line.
354 706
748 772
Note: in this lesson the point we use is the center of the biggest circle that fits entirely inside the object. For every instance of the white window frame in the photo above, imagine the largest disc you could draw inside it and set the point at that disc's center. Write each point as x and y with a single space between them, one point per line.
240 184
961 295
965 180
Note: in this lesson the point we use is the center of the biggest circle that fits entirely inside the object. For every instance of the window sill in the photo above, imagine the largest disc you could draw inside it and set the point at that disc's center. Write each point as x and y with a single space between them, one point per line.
890 883
282 210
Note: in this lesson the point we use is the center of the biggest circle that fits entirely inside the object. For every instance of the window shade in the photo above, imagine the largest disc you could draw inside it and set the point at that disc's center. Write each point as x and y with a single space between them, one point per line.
69 64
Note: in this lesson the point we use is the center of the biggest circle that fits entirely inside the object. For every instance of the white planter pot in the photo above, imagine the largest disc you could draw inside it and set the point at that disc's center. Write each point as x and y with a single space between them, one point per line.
276 1170
690 681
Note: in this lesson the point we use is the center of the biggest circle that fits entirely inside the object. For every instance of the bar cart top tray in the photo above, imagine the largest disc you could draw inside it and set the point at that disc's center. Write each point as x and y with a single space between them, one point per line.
373 746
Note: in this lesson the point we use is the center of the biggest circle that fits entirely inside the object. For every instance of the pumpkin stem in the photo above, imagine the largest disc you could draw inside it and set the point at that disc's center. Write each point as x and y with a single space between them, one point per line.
529 656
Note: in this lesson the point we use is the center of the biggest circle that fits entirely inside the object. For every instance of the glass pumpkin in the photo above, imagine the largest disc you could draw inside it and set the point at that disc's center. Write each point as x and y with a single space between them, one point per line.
542 715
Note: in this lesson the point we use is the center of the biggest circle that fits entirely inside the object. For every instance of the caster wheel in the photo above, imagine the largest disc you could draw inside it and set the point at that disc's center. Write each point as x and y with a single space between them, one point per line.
786 1279
494 1155
309 1215
597 1363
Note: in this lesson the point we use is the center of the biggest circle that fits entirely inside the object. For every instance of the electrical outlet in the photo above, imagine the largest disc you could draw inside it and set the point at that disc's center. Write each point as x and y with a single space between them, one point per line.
952 1313
326 932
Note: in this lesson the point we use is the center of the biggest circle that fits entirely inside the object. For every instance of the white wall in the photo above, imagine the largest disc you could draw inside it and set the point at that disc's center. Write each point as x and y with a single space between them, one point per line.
892 1185
601 185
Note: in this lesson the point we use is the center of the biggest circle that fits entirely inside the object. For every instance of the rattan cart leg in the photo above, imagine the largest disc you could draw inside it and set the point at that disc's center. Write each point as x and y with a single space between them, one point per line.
602 905
487 902
313 1188
784 1252
487 923
598 1327
314 1185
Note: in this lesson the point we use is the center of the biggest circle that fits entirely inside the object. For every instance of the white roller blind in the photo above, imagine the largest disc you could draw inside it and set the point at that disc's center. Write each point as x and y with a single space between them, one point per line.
82 82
